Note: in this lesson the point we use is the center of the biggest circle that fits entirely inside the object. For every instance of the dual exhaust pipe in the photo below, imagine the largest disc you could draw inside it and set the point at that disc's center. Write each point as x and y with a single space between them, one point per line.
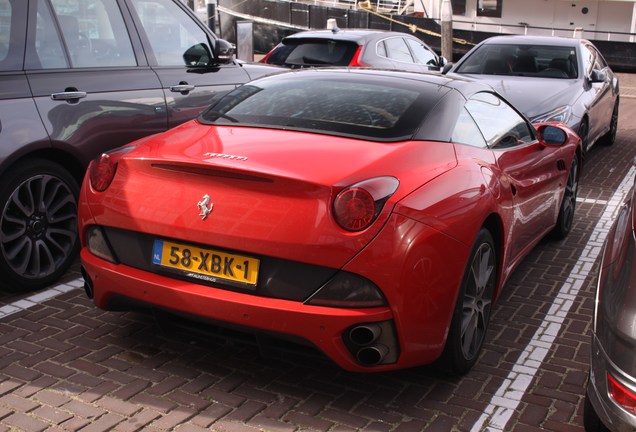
366 344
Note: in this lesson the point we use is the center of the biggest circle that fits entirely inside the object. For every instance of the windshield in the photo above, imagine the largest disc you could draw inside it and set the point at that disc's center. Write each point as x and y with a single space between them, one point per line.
370 107
522 60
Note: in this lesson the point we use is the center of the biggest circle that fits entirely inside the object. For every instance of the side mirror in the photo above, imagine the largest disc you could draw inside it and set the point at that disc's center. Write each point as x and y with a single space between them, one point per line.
597 76
198 55
442 61
223 51
552 135
447 67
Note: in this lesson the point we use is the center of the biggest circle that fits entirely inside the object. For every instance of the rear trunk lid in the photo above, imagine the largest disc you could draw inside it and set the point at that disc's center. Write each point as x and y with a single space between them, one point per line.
270 192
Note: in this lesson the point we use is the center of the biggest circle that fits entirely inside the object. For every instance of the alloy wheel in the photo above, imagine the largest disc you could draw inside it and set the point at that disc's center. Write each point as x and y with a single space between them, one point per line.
477 300
38 227
565 219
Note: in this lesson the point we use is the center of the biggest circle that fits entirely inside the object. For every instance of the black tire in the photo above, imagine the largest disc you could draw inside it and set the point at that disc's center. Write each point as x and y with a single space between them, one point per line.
610 137
472 310
38 224
565 219
591 420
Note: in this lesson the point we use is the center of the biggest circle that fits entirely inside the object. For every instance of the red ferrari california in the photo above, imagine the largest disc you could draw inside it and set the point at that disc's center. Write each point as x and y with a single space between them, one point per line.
375 215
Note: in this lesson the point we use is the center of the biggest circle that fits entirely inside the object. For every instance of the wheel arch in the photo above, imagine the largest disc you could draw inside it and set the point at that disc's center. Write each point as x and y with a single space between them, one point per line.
494 225
66 160
585 142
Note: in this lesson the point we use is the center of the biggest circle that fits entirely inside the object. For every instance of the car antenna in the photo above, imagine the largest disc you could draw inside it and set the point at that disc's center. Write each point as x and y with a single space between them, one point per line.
332 25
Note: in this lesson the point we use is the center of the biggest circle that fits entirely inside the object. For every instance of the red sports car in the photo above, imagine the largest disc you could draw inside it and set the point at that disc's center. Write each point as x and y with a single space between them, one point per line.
373 214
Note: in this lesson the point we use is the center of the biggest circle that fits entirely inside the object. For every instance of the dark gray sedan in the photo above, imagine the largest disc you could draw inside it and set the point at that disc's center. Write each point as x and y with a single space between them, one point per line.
611 391
550 79
359 47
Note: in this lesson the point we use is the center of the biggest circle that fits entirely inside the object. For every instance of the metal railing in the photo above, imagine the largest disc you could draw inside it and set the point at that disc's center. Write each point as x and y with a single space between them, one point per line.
396 7
526 29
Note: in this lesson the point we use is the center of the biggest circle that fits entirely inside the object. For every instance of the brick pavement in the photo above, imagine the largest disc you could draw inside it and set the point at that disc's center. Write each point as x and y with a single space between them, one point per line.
627 85
66 366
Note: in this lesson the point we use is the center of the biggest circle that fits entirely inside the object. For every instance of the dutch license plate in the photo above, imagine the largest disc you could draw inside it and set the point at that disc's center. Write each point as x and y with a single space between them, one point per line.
206 264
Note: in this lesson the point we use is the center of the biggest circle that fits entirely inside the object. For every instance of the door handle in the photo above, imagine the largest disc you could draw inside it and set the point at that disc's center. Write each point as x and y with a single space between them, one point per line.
183 88
68 95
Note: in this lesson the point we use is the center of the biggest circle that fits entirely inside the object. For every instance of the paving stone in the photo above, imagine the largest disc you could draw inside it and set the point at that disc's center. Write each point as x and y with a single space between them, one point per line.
174 418
160 404
5 412
21 373
25 423
52 398
9 386
246 411
55 370
87 411
31 388
190 428
118 406
138 421
17 403
131 389
75 424
229 426
166 386
270 425
52 415
411 426
344 418
189 400
309 421
211 414
229 399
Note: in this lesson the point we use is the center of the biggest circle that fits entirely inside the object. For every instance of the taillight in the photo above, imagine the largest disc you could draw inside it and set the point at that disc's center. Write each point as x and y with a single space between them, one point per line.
265 59
623 396
355 61
357 206
102 170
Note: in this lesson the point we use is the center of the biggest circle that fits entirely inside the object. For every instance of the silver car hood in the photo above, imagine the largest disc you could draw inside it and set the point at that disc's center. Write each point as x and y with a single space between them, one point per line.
533 96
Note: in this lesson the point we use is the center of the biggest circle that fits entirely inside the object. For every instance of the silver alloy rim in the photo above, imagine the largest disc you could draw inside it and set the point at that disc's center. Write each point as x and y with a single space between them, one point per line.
38 227
477 300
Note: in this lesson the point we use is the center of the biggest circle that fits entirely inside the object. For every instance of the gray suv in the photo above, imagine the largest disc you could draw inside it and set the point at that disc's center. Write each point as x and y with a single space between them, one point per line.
77 78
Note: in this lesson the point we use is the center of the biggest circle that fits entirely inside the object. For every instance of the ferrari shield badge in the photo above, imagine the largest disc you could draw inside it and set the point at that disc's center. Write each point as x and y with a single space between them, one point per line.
205 206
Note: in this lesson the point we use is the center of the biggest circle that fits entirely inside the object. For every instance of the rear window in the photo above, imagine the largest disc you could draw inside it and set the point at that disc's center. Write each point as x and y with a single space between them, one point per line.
313 52
372 108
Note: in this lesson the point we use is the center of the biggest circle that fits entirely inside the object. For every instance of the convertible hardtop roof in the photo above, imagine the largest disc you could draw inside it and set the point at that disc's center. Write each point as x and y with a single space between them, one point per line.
431 118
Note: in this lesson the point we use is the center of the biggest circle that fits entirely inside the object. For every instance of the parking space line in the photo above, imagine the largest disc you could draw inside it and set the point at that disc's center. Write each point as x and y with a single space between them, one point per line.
591 201
507 398
40 297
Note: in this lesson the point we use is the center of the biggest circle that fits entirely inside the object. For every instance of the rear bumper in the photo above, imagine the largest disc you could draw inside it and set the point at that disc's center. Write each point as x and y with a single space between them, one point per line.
323 327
